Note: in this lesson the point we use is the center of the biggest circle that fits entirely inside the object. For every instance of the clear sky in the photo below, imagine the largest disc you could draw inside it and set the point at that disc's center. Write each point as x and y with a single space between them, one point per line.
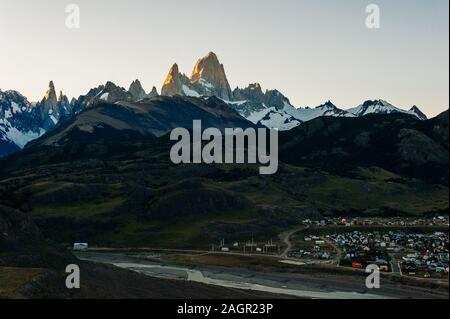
310 50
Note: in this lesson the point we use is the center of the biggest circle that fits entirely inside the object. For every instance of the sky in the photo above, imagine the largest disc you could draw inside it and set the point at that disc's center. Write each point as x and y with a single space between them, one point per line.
310 50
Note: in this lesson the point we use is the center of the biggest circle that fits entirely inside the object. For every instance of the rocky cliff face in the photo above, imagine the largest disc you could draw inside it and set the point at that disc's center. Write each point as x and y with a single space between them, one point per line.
136 91
109 92
50 100
254 93
251 93
49 107
176 83
64 106
275 99
266 108
208 78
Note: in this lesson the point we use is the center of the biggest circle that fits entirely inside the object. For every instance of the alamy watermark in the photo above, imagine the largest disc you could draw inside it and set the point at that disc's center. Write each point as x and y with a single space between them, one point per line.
73 16
73 279
373 19
373 280
231 148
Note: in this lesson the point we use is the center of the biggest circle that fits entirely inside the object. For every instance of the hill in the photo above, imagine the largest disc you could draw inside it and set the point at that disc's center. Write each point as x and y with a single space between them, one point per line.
123 190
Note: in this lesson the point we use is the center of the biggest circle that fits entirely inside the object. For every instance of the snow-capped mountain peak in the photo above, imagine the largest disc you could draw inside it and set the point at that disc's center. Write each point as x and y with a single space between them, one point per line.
383 107
20 122
327 105
375 106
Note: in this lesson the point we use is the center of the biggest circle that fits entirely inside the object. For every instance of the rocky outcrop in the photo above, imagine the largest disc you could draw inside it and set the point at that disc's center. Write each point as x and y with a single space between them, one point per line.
136 91
251 93
153 93
270 109
113 93
65 110
275 99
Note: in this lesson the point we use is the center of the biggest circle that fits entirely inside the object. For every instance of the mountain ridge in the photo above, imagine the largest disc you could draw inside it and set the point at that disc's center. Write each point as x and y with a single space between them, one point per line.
270 108
208 78
153 117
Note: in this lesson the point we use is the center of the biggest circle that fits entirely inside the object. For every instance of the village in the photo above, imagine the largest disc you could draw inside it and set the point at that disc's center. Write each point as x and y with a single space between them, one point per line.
403 246
378 221
397 245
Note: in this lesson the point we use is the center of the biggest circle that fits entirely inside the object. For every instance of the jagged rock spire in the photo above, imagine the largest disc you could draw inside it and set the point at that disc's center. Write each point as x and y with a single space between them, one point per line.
208 76
153 92
50 95
136 91
253 92
52 107
48 104
173 84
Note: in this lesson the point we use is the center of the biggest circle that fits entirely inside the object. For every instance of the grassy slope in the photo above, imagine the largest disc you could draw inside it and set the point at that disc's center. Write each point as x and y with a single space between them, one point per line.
368 190
293 195
124 200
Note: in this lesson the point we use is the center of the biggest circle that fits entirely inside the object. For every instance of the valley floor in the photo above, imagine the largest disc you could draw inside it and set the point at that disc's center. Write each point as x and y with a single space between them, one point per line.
323 285
100 281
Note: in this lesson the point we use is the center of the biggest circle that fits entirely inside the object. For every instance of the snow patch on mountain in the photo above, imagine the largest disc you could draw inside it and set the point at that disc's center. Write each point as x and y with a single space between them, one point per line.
15 107
285 117
20 121
190 92
206 84
20 138
280 120
308 113
270 117
104 96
